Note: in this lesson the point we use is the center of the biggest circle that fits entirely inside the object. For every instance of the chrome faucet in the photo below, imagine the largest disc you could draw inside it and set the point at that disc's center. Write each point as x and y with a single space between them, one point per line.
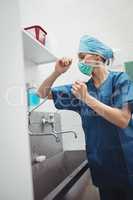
45 134
53 133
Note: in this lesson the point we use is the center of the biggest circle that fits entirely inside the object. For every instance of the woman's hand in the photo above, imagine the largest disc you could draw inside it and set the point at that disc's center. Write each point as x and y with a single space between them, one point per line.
62 65
79 90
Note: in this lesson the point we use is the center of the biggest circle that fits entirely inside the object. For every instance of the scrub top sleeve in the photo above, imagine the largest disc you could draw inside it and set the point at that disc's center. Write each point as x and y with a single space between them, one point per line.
123 92
64 99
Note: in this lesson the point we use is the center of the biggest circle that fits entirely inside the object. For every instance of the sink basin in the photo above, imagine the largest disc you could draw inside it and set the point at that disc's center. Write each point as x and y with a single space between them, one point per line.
54 178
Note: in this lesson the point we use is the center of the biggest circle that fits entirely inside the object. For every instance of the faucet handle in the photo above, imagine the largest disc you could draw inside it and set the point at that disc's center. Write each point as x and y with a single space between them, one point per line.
43 120
51 118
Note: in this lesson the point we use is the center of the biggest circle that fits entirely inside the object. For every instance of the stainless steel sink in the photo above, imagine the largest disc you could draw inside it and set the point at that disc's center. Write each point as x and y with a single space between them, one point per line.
50 175
64 176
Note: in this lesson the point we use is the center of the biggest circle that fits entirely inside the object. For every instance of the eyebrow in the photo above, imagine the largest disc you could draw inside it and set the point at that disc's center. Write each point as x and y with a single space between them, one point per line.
81 55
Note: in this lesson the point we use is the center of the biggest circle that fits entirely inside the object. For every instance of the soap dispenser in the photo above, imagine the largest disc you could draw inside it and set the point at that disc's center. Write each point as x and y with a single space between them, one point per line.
33 97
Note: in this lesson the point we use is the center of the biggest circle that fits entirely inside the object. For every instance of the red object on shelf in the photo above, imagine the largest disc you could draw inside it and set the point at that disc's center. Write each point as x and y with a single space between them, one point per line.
38 32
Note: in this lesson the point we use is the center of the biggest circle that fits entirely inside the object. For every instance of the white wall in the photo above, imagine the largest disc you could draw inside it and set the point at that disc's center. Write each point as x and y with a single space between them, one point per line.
65 21
15 167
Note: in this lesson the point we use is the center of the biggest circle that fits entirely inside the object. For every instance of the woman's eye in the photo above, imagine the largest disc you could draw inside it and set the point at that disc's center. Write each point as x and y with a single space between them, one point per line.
82 57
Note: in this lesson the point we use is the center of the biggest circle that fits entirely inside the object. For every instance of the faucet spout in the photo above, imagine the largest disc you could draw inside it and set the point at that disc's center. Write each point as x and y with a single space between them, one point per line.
63 132
53 133
46 134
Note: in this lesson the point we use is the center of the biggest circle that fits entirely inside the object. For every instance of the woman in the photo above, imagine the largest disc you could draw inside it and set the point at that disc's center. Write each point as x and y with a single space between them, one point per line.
105 104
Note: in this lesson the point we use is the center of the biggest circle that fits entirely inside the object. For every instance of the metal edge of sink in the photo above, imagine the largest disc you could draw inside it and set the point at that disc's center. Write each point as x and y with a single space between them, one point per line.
67 183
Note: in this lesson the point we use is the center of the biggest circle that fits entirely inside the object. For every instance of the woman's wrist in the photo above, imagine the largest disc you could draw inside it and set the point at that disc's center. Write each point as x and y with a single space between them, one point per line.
56 74
90 100
94 104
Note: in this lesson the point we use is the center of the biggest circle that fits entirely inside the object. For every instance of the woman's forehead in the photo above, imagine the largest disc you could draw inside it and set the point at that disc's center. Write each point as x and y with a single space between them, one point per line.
82 55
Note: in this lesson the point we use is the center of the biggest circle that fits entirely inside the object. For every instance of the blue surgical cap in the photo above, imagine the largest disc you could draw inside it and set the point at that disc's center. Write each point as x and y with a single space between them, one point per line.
92 45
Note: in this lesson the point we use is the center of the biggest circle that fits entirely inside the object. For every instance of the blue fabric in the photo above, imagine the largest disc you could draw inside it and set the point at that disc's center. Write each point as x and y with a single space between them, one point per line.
92 45
116 193
64 99
123 91
109 148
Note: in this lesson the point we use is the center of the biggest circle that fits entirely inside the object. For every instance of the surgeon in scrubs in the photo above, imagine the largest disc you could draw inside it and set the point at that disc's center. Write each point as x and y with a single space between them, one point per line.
105 104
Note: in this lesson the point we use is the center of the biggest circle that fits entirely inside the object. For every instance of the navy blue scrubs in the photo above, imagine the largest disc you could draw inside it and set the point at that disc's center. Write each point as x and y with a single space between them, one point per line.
109 148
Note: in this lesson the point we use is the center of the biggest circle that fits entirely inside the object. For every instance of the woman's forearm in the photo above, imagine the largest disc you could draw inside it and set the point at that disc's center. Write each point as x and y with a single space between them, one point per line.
119 117
44 89
61 66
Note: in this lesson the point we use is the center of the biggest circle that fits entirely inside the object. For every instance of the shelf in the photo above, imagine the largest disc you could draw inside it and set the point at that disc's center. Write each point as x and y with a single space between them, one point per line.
35 51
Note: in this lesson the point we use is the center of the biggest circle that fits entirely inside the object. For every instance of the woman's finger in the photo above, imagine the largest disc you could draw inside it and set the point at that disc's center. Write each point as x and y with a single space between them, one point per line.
66 61
82 84
75 88
77 95
73 91
77 84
